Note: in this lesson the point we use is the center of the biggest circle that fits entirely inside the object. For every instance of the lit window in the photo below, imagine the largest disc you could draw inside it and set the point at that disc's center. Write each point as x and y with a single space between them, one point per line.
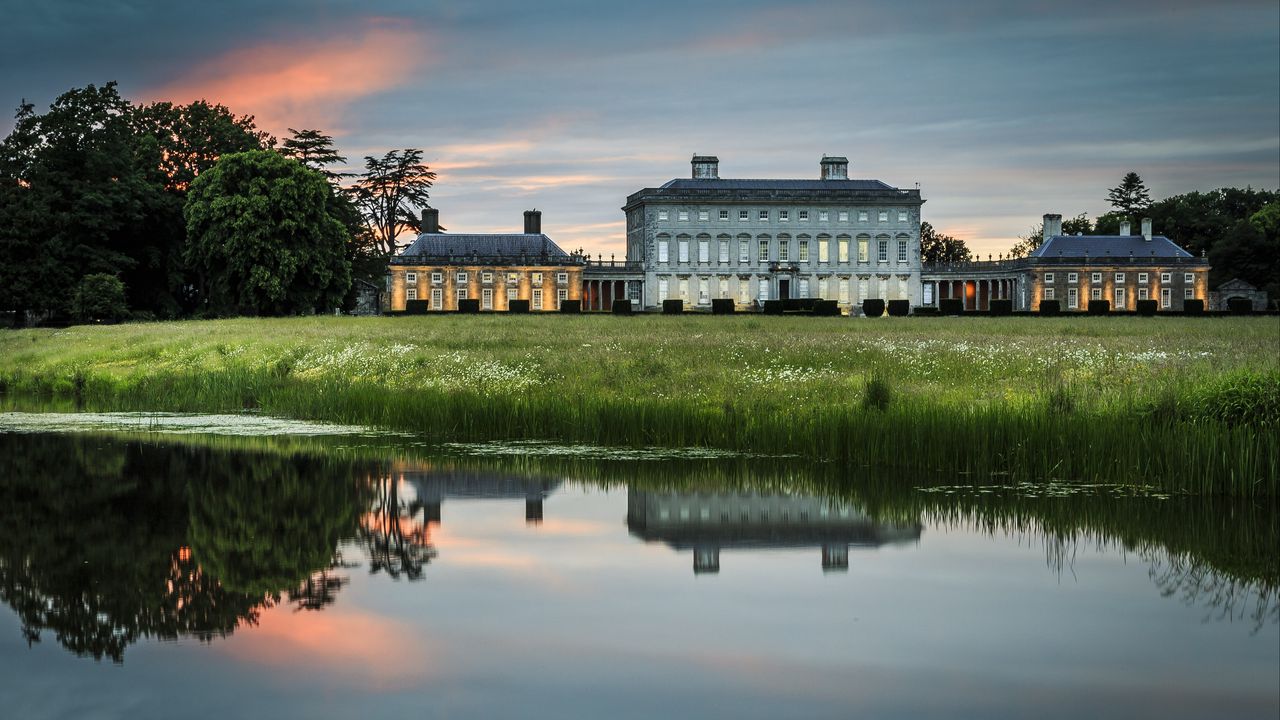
863 248
1048 277
862 216
662 214
411 294
784 215
682 215
823 216
703 216
513 278
724 214
844 249
843 216
411 277
804 214
536 278
824 251
744 215
764 214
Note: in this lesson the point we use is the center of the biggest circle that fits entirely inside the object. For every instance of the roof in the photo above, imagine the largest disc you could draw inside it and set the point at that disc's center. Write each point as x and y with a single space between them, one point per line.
1237 284
512 245
1109 246
752 184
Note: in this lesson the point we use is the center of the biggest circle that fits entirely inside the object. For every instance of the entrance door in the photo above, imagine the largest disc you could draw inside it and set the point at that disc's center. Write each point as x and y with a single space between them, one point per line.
784 289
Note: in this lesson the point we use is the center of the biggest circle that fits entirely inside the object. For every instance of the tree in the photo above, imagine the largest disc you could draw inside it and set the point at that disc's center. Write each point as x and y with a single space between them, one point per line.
262 238
389 193
1028 243
1130 196
99 297
938 248
314 150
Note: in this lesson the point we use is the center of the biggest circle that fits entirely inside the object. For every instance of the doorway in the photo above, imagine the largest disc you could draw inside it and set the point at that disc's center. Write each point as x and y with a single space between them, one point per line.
784 289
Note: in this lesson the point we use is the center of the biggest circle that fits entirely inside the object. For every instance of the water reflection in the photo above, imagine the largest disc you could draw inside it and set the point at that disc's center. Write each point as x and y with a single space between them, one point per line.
707 523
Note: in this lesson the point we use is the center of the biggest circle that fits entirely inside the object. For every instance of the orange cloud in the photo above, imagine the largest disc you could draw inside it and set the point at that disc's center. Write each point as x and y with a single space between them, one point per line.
305 84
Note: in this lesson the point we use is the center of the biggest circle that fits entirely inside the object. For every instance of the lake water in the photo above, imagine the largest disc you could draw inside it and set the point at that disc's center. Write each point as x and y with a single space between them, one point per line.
194 572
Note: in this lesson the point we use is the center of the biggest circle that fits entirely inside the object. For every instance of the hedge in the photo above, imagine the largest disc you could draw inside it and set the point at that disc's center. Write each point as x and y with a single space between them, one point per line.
1000 307
899 308
469 306
517 306
1050 307
415 307
1192 307
951 306
873 307
572 307
672 307
1099 307
772 307
722 306
621 307
1147 308
826 308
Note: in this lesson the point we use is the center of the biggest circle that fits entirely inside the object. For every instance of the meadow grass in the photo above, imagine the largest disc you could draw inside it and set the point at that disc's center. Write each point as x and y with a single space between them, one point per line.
1188 405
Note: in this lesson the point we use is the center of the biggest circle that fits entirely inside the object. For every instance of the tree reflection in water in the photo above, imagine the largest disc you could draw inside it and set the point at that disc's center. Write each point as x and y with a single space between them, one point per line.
395 531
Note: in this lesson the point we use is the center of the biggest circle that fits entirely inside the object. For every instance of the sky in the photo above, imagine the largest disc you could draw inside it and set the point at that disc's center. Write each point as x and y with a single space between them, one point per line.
1001 110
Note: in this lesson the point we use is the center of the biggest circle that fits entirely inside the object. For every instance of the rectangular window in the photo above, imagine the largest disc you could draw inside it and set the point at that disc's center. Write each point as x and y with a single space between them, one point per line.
764 214
883 251
461 277
744 252
863 216
682 250
804 251
1142 278
1144 293
863 250
462 293
723 247
744 215
844 291
664 288
411 294
1166 278
822 287
562 278
824 251
662 215
1048 277
536 278
902 251
1048 294
663 250
437 278
703 216
1073 278
802 287
1095 293
1164 297
682 215
902 216
884 216
1119 299
486 299
804 214
704 250
512 294
411 277
513 278
823 216
486 277
744 291
764 251
1188 278
1073 298
724 214
764 289
784 251
842 216
1097 278
844 250
561 295
1189 293
1119 277
784 215
684 289
704 291
537 299
437 298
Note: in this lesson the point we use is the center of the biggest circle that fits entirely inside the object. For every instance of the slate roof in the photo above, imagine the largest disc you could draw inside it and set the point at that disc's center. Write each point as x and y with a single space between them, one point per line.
1116 246
754 184
445 246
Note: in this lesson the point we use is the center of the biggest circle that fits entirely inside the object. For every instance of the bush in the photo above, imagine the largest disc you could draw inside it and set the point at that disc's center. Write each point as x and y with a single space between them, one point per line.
826 308
877 394
1000 307
469 306
1239 305
517 306
1099 307
621 307
1050 307
873 308
899 308
572 307
672 307
772 307
798 304
1192 307
722 306
99 297
925 310
951 306
415 307
1147 307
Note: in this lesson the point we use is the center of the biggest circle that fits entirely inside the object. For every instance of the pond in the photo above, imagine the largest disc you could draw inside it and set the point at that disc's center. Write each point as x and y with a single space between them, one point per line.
155 566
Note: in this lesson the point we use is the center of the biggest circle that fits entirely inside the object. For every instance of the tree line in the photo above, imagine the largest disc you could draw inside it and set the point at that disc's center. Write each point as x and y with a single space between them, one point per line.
110 209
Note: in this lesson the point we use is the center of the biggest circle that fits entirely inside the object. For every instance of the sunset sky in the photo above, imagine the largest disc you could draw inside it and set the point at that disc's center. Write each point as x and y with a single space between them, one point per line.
1002 111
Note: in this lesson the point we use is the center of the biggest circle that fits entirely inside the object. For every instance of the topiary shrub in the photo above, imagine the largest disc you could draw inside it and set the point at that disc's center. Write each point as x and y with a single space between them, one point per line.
722 306
672 307
772 307
1099 307
99 297
826 308
951 306
469 306
1000 307
1050 307
1240 305
415 307
518 306
1147 308
1192 307
621 307
899 308
873 308
925 310
572 307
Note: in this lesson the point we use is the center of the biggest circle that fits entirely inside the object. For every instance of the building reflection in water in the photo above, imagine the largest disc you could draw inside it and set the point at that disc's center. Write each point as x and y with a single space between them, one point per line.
707 523
434 486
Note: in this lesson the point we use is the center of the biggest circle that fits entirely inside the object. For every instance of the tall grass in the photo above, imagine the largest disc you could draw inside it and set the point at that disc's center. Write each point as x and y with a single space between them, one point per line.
1184 405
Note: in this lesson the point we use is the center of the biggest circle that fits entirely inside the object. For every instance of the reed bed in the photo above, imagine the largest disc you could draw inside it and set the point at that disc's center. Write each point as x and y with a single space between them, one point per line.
1186 405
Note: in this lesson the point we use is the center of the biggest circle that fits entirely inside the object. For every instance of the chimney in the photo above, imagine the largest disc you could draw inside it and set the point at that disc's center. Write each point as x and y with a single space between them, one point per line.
835 168
1052 226
1124 228
533 222
706 167
430 220
1146 229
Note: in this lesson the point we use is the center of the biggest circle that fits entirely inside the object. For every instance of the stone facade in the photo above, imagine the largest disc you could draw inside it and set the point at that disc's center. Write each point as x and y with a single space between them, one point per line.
756 240
1237 288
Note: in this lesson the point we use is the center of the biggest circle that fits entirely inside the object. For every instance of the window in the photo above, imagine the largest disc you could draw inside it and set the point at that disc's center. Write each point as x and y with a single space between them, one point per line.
663 250
902 251
844 290
486 277
462 276
843 216
764 251
486 299
882 251
1142 278
1048 293
703 216
824 216
824 250
1073 278
1073 298
704 291
662 215
512 294
744 250
804 251
411 277
1166 278
462 293
562 278
1096 278
1096 293
561 295
1164 297
1048 277
843 246
437 278
883 216
822 287
864 241
802 287
1119 299
664 287
682 252
902 216
537 299
1189 293
764 214
513 278
804 214
724 214
744 215
1144 293
684 289
744 291
536 278
784 215
863 216
437 298
722 243
1188 278
722 287
764 289
411 294
704 250
1119 277
784 251
682 215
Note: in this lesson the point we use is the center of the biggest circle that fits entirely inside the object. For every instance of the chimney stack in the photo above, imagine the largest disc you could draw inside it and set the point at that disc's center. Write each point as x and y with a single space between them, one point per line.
1052 226
706 167
1124 227
1146 229
835 168
430 220
533 222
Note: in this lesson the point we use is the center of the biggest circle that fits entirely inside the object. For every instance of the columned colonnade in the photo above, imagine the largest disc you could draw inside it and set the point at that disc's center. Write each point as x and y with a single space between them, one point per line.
600 294
977 294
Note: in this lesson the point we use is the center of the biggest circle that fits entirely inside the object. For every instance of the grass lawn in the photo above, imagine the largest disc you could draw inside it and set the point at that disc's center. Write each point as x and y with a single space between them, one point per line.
1192 404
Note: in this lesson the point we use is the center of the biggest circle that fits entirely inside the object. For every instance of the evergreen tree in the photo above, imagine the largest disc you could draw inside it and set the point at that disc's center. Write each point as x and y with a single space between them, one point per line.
389 192
316 151
1130 196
